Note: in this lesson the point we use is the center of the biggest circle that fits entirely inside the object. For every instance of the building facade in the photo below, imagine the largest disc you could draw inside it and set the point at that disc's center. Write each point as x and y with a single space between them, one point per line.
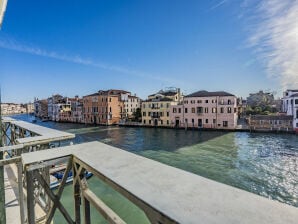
12 108
41 108
131 105
105 107
271 122
203 109
52 101
156 109
77 110
290 106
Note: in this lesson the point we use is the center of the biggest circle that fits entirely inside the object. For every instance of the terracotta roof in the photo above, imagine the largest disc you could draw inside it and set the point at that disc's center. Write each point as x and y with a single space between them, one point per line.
204 93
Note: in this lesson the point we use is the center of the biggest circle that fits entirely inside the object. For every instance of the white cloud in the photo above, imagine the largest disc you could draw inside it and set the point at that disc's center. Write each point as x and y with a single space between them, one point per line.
218 4
274 37
11 44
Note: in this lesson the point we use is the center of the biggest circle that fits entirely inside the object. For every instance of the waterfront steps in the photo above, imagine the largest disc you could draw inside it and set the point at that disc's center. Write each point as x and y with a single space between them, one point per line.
168 194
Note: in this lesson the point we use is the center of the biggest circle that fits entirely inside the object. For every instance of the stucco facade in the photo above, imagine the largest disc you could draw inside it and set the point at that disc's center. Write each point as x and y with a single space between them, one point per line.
290 106
131 104
104 107
202 109
156 109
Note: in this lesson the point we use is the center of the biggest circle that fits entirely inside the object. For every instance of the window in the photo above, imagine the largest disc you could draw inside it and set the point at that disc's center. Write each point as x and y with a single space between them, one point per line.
214 121
229 110
110 99
235 110
213 101
229 102
206 121
192 121
179 110
222 110
144 105
185 110
185 120
225 124
296 113
296 101
213 110
206 101
168 114
222 102
168 122
199 110
193 110
206 110
174 110
149 121
149 114
168 105
199 101
161 105
161 121
296 125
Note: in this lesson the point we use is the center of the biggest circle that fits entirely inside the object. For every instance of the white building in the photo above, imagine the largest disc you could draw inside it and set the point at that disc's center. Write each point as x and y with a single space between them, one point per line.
290 105
131 104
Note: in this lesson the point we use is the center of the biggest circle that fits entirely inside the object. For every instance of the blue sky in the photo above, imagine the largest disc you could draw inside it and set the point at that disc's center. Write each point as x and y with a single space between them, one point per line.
79 47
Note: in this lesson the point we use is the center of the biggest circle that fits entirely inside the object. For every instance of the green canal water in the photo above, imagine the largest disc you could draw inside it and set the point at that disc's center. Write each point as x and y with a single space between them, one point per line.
264 164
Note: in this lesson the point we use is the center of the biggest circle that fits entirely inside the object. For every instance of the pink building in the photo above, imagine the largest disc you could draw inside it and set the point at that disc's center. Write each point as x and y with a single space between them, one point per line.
203 109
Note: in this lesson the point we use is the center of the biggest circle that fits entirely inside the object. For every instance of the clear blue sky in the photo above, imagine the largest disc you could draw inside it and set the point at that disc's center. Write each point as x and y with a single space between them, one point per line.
78 47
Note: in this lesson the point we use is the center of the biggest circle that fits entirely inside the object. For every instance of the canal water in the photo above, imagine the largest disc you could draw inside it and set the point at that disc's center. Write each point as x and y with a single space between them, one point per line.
264 164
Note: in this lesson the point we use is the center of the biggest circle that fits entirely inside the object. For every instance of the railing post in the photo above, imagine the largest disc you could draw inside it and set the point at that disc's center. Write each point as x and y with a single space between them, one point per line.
2 192
21 193
77 197
30 197
86 204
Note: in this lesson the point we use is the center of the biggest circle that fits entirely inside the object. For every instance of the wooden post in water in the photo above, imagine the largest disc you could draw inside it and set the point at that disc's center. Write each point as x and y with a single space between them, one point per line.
2 192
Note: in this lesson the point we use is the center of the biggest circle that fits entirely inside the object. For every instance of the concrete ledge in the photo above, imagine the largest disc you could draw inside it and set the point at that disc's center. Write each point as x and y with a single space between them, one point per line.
177 194
44 135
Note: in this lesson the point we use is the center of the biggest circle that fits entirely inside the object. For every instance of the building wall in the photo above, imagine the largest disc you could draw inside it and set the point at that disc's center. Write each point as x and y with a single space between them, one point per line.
104 107
290 106
131 105
271 122
219 112
157 113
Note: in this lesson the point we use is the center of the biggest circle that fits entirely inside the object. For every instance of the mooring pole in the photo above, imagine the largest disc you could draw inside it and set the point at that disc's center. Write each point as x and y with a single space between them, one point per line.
2 192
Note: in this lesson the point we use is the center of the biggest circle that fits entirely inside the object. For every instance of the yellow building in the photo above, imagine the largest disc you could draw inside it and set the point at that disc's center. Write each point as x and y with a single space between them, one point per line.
156 109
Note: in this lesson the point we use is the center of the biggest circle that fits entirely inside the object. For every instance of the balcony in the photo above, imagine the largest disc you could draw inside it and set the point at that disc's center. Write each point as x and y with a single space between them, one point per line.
155 116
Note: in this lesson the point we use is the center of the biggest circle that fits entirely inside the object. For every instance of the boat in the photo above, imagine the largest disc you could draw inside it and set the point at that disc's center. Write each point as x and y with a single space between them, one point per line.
56 178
